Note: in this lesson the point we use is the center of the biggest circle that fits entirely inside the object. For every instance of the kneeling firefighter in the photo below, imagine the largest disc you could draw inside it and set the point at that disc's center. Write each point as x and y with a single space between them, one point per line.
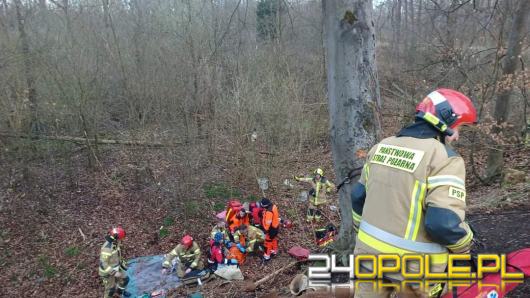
411 194
188 254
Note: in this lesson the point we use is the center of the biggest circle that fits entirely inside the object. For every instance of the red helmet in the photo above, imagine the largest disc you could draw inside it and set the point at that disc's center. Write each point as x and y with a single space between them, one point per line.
187 240
117 233
451 107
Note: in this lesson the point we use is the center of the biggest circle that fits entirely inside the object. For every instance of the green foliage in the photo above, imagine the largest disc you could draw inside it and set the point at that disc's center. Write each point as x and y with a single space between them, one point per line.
218 206
221 191
163 232
72 251
168 221
49 270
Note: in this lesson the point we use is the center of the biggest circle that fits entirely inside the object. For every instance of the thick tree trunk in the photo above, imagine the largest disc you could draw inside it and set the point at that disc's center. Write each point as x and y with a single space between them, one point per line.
511 61
353 94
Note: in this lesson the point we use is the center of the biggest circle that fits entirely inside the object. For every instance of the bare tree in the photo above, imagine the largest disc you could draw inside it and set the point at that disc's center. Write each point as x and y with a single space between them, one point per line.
509 67
353 94
30 92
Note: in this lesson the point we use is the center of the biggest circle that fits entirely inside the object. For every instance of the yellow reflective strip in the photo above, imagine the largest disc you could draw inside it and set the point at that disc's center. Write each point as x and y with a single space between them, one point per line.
356 217
431 118
317 192
383 247
366 174
411 211
465 241
419 212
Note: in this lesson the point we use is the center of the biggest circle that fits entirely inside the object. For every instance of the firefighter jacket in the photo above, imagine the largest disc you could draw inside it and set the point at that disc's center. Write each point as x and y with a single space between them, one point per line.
319 189
411 198
110 259
271 218
254 236
190 257
239 237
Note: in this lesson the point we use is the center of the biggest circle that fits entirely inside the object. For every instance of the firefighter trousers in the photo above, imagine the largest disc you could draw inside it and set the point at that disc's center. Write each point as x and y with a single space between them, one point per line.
114 283
181 268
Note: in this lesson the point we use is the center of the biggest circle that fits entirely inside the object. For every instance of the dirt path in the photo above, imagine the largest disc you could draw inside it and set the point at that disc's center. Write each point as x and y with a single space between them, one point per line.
502 233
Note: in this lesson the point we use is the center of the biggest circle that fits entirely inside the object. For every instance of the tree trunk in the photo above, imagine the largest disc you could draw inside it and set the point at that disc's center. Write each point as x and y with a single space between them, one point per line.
353 94
500 113
31 92
42 4
397 29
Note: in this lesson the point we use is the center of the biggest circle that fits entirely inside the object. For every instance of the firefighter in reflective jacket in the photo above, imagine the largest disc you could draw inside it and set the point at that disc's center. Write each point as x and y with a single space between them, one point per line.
318 193
112 267
271 225
220 227
188 254
255 238
411 195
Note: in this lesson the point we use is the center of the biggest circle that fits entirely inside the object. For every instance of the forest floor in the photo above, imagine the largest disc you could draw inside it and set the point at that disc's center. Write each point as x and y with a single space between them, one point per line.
54 215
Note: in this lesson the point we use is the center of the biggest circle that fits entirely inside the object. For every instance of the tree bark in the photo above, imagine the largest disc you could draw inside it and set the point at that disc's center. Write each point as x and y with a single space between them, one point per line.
353 94
397 28
31 92
509 67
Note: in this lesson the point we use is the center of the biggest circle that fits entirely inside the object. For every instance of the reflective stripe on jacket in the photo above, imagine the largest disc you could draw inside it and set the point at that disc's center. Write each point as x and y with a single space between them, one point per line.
255 235
188 257
109 258
411 199
321 188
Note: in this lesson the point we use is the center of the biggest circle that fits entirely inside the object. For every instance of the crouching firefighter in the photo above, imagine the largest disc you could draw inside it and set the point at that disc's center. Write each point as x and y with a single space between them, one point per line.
188 254
112 267
318 193
411 196
254 237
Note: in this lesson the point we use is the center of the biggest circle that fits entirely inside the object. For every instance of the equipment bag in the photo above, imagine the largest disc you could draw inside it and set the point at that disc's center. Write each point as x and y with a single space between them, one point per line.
491 285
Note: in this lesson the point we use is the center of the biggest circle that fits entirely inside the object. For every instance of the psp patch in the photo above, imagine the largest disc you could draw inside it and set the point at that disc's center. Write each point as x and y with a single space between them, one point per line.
457 193
401 158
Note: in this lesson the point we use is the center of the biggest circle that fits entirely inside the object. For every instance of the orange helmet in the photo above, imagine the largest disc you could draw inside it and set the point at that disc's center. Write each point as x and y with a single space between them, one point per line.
117 233
187 240
447 109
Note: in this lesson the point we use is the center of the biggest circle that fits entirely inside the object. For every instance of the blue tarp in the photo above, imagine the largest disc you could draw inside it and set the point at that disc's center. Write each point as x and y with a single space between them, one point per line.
146 276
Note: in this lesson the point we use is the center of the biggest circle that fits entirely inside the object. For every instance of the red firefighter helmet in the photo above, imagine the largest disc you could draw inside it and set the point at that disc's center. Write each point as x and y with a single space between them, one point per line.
117 233
451 107
187 241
